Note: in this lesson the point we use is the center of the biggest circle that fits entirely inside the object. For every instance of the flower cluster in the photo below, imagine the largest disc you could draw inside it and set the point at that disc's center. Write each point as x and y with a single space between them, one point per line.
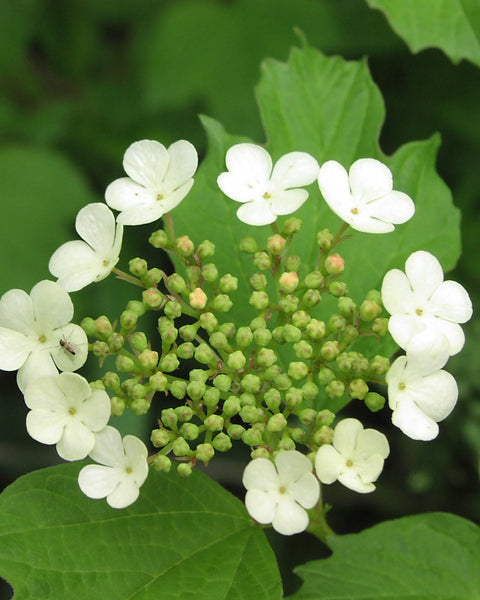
275 383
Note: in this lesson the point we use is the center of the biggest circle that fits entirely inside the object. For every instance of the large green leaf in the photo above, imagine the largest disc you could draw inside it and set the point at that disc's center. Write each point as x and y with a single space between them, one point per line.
422 557
451 25
184 538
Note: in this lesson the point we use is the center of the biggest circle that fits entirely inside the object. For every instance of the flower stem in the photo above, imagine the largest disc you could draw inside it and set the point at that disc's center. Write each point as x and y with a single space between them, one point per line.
126 277
318 525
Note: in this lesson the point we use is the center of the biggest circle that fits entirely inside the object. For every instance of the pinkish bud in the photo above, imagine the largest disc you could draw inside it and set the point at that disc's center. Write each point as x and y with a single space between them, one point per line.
198 299
334 264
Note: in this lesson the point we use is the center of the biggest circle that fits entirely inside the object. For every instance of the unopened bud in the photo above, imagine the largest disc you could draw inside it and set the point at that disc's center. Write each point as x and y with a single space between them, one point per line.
204 354
205 452
265 357
140 406
153 298
337 288
369 310
211 397
262 261
346 307
180 447
222 442
128 319
137 266
334 264
186 351
350 333
288 304
303 350
184 245
206 250
162 463
222 303
297 370
258 281
309 391
316 329
374 401
124 364
244 337
117 406
252 437
301 319
325 417
330 350
293 397
153 277
188 332
286 444
336 323
259 300
311 298
288 282
236 360
210 272
196 389
380 326
273 399
184 413
325 239
178 389
222 382
184 469
219 341
323 436
158 239
172 309
228 329
314 280
293 262
228 284
214 423
259 453
148 359
291 333
357 389
307 416
189 431
282 381
276 244
194 275
251 383
292 225
236 431
176 284
276 423
103 328
158 382
88 326
374 296
335 389
379 365
160 437
248 245
169 363
231 406
325 376
198 299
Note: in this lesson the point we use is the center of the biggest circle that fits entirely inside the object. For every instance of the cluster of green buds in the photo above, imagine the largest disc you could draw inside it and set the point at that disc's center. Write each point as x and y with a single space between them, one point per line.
272 383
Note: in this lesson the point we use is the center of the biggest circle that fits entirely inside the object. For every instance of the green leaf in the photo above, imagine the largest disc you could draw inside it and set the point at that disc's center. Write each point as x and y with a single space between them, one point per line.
423 557
451 25
183 538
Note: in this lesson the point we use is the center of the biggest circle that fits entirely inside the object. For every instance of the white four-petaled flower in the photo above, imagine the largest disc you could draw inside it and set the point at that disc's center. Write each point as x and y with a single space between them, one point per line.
420 300
32 328
279 493
364 197
266 193
122 470
158 180
65 411
79 263
355 457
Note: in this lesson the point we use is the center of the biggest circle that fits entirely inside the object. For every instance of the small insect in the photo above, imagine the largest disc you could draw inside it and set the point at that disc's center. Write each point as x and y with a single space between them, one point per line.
69 348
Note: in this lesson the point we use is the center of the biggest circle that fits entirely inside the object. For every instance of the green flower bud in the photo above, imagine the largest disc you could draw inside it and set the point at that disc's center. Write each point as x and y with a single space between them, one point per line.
357 389
169 363
258 281
137 307
374 296
252 437
228 329
335 389
307 416
196 389
330 350
282 381
334 264
158 382
346 307
97 385
292 225
222 442
184 469
251 383
206 250
248 245
247 399
111 380
148 359
178 389
205 452
169 418
222 303
262 261
260 453
265 357
337 288
369 310
158 239
272 399
293 262
380 326
311 298
360 365
325 376
88 326
222 382
181 448
288 282
235 432
153 298
184 246
176 284
314 280
244 337
336 323
140 406
210 272
153 277
316 329
194 274
172 309
258 323
138 341
160 437
325 417
259 300
271 372
214 423
161 463
301 319
137 267
288 304
208 321
204 354
379 365
276 244
236 360
262 336
278 335
252 414
103 328
198 375
231 406
303 350
291 333
276 423
117 406
297 370
350 334
189 431
298 435
184 413
293 397
309 391
124 364
198 299
286 444
374 401
128 319
323 436
138 391
219 341
345 361
228 284
186 351
325 239
211 397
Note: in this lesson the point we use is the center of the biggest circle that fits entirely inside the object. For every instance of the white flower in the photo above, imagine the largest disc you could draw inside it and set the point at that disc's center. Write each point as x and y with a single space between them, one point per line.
280 493
77 263
419 392
158 180
65 411
266 194
420 300
364 198
122 471
36 336
355 457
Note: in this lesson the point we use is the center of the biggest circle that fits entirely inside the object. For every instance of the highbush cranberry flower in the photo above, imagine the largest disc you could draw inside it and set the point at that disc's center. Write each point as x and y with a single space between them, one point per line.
419 393
122 470
77 263
279 493
266 193
158 180
36 336
65 411
420 300
355 457
364 197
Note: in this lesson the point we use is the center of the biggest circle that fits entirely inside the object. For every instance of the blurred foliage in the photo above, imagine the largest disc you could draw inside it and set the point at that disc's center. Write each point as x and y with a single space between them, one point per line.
81 80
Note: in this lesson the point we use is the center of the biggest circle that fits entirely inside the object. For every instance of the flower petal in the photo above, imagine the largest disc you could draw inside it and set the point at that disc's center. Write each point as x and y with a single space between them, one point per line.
14 349
256 213
76 265
413 422
450 301
351 479
96 481
261 504
289 518
124 494
288 201
108 449
328 464
293 170
370 178
435 395
424 272
52 306
369 469
402 328
76 442
261 474
345 437
395 207
140 215
95 411
371 442
124 194
16 312
306 490
45 426
237 188
146 162
73 353
173 199
182 166
291 466
45 394
365 223
333 183
38 364
397 295
251 163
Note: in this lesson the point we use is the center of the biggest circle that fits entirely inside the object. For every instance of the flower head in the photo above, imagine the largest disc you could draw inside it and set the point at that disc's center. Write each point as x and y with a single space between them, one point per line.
419 393
158 180
32 328
364 198
65 411
77 263
266 193
279 493
355 457
420 300
122 470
